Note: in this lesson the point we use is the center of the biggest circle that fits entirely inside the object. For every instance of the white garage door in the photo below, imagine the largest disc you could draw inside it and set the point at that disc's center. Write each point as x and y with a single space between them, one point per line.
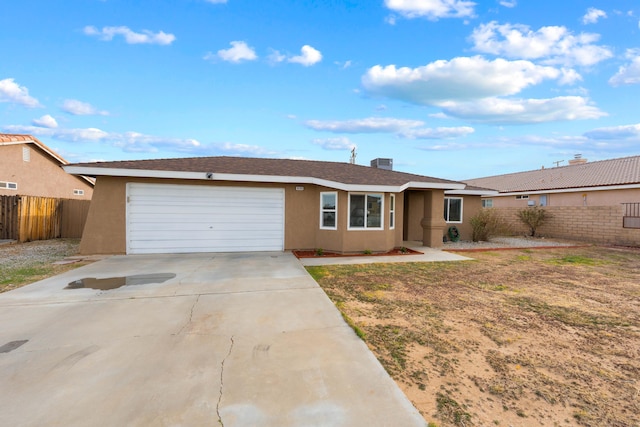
191 218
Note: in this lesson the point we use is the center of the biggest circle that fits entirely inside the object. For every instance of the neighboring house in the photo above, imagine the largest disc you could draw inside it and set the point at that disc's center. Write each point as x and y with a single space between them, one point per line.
30 168
581 183
229 204
591 201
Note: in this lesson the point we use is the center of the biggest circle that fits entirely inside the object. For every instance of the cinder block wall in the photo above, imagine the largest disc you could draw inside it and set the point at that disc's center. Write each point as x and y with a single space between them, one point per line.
593 224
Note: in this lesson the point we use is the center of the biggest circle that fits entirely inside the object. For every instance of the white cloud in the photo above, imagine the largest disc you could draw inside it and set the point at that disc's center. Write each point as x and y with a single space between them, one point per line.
309 56
238 52
463 78
130 37
509 4
344 65
552 45
127 141
339 143
431 9
410 129
437 133
623 132
79 108
12 92
368 125
593 15
45 121
521 111
630 73
275 56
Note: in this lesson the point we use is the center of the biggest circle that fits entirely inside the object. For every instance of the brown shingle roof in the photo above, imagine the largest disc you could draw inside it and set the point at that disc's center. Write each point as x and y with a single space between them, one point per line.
331 171
623 171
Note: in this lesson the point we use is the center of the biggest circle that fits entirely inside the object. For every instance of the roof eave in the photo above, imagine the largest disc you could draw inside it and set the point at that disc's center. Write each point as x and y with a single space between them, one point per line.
572 189
212 176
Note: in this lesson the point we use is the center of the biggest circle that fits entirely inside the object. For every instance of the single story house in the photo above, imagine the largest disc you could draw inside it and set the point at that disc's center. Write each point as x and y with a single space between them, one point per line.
30 168
581 183
227 204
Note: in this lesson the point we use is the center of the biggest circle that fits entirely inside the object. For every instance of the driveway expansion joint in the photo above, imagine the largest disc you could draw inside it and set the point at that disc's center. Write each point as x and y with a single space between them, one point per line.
222 382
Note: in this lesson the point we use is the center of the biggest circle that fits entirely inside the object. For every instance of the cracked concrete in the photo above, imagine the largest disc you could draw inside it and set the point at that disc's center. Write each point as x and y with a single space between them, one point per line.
161 354
222 382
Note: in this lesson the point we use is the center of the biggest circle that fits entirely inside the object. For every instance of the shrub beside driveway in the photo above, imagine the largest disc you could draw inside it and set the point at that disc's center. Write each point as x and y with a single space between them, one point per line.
523 337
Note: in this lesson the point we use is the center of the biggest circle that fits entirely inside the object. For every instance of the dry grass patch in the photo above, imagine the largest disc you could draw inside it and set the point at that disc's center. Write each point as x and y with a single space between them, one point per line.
526 337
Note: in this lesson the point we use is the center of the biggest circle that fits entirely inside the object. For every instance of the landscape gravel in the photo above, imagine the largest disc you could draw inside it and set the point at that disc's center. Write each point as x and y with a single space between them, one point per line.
18 255
508 242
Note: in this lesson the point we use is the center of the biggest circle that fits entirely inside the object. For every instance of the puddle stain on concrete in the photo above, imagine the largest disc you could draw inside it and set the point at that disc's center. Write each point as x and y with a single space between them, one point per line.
109 283
12 345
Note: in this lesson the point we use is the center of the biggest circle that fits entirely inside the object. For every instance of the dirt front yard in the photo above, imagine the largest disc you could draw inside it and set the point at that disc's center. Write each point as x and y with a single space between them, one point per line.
514 338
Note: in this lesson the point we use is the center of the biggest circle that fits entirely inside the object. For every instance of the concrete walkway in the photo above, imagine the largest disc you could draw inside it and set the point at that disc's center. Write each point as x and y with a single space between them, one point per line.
230 340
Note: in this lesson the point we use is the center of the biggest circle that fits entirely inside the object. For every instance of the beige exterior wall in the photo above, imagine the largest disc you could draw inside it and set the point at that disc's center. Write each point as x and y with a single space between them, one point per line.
105 231
40 176
415 208
593 224
576 198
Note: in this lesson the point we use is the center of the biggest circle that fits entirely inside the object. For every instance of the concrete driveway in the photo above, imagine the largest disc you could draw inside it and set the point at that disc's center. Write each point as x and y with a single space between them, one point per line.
231 340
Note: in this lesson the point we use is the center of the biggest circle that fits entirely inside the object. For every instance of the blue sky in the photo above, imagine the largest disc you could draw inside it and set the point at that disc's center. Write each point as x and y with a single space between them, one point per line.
448 88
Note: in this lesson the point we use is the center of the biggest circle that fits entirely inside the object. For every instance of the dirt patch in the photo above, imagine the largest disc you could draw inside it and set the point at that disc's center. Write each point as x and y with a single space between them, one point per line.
513 338
325 254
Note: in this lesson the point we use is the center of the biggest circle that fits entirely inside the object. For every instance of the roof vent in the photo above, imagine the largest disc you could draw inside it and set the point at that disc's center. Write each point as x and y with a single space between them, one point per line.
577 160
382 164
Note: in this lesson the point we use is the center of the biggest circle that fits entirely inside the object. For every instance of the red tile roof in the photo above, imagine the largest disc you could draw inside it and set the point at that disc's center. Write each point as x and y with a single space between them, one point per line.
622 171
344 173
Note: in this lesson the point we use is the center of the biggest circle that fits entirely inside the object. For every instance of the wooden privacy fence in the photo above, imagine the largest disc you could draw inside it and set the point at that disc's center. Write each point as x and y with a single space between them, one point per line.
26 218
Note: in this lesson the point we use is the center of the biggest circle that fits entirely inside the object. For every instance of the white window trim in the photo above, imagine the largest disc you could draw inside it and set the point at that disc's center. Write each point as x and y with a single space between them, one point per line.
522 197
322 210
77 192
392 212
364 227
9 185
461 210
486 202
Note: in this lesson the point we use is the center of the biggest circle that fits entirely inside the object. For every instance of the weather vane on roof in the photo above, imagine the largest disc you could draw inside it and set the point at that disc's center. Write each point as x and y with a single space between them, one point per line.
352 160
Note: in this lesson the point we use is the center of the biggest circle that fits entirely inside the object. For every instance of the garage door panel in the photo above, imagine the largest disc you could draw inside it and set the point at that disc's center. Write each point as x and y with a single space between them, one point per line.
176 218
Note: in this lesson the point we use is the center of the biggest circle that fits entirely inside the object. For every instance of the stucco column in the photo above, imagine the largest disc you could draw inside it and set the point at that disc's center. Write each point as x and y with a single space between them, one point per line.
433 222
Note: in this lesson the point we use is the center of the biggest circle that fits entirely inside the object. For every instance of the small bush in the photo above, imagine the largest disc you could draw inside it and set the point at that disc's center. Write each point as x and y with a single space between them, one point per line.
319 252
485 224
533 218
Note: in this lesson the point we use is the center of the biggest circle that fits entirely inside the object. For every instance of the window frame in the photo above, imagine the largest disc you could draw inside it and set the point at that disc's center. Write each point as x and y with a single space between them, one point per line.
487 203
448 210
334 210
364 226
392 211
7 185
78 192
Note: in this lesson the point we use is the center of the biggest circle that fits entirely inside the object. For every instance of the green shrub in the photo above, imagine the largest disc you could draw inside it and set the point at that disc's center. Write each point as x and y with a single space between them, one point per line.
533 218
485 224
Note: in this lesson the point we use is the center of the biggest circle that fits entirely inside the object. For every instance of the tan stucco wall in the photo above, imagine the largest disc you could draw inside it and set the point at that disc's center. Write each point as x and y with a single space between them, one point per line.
577 198
105 231
41 176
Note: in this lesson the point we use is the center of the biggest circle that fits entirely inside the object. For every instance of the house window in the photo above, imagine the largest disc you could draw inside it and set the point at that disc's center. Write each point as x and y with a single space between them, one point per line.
328 210
392 211
453 209
26 154
8 185
78 192
487 203
543 200
522 196
365 211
